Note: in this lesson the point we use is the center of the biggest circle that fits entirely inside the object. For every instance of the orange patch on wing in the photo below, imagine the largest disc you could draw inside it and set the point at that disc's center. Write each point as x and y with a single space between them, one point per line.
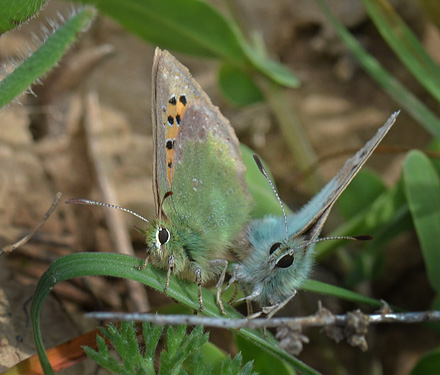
175 110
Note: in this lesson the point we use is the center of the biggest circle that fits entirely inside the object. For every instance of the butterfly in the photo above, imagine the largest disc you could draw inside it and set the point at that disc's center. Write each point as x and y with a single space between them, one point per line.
200 194
281 248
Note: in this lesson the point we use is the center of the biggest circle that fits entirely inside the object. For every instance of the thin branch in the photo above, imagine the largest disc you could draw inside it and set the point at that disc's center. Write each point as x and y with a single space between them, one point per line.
352 327
10 248
321 319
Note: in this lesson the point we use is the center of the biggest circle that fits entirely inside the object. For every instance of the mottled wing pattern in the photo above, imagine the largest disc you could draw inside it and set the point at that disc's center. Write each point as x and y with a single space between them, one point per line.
173 87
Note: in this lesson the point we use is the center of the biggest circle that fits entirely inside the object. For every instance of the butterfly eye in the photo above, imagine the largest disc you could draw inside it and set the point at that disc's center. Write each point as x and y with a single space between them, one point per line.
285 261
274 247
163 235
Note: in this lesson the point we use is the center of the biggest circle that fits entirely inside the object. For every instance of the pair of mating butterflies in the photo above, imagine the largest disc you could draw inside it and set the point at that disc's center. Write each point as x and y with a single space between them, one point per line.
203 206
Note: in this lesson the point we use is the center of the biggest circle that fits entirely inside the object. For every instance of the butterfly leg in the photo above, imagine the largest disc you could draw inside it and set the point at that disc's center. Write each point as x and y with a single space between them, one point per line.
270 311
199 286
170 269
221 280
145 264
250 310
234 295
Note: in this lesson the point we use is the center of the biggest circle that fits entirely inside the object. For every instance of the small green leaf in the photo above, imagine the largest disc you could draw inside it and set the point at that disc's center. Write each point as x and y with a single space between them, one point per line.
422 187
429 364
189 26
152 334
15 12
45 57
238 86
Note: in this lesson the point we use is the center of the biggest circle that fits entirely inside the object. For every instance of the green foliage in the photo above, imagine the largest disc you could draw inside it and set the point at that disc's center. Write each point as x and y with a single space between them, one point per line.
15 12
192 27
391 85
422 187
238 86
181 353
263 361
429 364
45 57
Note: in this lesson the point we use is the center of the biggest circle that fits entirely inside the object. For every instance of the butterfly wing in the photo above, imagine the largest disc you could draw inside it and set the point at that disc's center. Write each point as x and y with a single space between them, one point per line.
311 218
173 87
197 157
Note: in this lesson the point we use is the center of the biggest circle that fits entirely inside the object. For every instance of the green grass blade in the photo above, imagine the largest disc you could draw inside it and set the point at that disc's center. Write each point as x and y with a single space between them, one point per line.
117 265
335 291
45 57
405 44
15 12
188 26
390 85
422 187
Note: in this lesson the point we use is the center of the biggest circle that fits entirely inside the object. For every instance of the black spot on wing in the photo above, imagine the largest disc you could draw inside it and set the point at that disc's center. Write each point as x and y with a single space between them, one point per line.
183 100
172 100
169 144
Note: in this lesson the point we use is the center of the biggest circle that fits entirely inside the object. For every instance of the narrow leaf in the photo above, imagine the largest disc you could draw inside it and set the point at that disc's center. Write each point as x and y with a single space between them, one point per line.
390 85
45 57
405 44
422 187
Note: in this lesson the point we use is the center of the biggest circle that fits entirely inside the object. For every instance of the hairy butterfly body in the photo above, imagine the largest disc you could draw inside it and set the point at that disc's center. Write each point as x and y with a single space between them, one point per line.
281 253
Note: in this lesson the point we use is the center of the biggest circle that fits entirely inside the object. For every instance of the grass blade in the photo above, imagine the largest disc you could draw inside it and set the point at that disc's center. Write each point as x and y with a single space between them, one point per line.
45 57
405 44
422 187
393 87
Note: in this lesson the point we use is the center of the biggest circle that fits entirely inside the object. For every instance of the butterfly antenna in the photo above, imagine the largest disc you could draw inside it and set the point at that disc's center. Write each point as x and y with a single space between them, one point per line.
95 203
351 238
263 171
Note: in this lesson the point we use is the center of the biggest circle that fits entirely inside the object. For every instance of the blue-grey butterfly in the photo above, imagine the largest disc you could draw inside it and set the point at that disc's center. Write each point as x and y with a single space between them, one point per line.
281 248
